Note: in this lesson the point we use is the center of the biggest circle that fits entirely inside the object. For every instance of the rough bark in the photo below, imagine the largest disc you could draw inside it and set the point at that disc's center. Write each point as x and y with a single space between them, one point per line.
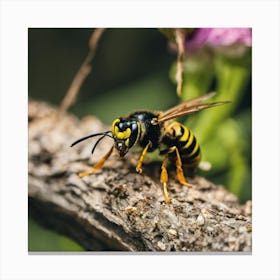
117 208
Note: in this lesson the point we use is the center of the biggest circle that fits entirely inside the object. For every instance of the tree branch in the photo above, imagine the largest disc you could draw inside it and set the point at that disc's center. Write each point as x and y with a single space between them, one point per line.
117 208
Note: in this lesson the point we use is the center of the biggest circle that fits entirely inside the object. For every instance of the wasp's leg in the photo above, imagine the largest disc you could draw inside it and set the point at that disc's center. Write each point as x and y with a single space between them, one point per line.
179 169
98 165
141 158
164 179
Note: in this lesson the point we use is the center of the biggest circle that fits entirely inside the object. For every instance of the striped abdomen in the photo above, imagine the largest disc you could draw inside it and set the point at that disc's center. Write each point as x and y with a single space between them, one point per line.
176 134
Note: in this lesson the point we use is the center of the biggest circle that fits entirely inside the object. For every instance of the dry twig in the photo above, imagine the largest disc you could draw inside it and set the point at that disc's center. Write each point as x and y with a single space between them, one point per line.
179 38
82 73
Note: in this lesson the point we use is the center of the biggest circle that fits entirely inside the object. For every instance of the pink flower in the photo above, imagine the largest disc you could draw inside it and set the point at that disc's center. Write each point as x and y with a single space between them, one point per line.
216 37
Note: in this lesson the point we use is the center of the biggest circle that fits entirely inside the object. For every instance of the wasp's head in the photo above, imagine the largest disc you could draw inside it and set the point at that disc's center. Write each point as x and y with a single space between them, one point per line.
125 133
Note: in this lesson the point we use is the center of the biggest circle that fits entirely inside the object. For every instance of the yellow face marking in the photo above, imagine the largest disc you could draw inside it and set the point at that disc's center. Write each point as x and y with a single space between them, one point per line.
114 126
124 134
120 134
126 142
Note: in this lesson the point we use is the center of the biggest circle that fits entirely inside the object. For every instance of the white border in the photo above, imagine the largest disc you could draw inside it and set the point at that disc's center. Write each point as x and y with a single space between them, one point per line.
17 16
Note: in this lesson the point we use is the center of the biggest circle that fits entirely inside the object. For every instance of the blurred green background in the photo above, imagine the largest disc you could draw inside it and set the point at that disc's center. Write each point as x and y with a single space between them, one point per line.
134 69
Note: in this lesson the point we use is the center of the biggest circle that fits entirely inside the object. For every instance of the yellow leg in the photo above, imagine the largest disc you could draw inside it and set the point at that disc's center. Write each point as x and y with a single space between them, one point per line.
164 179
141 158
98 165
179 170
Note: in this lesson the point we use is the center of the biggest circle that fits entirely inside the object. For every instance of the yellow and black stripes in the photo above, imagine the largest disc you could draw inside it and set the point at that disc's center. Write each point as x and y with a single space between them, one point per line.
177 135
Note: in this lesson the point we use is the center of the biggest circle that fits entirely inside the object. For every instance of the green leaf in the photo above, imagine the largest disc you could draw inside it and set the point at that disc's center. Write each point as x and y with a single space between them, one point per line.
232 78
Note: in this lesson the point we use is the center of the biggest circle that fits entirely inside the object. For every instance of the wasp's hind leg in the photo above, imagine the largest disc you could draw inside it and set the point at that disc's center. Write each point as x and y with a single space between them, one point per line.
98 165
164 179
179 169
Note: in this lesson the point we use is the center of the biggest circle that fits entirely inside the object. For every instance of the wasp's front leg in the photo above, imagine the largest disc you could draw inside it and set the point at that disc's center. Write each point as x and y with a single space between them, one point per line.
141 158
98 165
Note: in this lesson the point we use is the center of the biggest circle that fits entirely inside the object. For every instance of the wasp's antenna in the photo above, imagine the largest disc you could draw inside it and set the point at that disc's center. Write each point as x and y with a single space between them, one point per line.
98 141
105 133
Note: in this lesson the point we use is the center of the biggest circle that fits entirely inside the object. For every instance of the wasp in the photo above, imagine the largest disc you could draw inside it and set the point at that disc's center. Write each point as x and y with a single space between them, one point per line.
157 130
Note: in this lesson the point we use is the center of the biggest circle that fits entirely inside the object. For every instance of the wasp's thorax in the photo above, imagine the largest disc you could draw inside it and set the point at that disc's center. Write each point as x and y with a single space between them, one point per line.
125 133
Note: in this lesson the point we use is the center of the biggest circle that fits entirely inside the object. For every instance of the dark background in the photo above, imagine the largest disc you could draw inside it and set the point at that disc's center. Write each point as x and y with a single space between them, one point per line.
130 70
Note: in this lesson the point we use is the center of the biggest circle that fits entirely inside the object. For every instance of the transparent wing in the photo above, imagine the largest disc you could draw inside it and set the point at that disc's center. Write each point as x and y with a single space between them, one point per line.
189 107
